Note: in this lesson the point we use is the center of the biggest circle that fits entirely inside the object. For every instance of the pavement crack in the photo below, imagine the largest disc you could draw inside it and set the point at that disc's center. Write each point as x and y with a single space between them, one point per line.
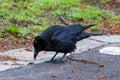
98 40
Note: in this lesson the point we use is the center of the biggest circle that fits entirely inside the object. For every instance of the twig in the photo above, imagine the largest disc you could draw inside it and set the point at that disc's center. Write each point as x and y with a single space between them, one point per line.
64 20
83 60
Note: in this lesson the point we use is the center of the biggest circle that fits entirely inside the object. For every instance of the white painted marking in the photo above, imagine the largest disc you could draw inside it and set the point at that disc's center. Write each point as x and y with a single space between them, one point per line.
110 50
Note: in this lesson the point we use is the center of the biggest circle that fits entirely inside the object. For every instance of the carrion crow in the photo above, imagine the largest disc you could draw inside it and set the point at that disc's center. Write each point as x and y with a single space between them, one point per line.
60 39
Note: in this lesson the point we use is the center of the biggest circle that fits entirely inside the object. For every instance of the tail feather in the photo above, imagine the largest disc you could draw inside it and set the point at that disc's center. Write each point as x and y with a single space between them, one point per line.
85 35
88 26
71 32
78 28
92 34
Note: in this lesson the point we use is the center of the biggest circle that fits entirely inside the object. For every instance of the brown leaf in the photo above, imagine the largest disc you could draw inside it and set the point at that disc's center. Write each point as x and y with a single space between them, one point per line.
80 49
2 58
62 67
54 76
27 49
44 52
102 76
81 8
107 65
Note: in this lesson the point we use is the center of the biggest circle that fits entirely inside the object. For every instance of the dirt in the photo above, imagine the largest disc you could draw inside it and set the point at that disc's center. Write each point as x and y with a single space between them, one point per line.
13 42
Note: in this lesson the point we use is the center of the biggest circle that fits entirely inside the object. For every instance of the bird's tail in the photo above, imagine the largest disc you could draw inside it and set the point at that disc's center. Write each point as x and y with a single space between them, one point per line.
86 35
92 34
88 26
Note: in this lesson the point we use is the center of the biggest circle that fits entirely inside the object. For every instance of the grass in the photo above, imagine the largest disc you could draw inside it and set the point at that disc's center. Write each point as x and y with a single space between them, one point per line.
30 17
87 14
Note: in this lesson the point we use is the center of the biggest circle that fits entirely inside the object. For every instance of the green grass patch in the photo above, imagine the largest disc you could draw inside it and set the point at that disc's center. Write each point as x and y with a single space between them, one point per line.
26 17
21 31
86 14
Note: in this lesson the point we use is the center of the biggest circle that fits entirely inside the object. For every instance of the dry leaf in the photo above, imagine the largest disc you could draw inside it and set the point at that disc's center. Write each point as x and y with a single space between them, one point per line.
107 65
55 76
81 8
62 67
102 76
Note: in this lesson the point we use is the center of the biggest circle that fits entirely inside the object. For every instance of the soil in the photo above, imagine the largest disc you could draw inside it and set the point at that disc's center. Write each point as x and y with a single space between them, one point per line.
14 42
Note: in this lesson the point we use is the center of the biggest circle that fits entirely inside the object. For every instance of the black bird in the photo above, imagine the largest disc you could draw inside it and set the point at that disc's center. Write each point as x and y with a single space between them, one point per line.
60 39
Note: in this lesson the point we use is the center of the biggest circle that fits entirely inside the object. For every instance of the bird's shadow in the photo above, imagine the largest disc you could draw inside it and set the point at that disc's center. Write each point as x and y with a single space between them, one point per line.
58 61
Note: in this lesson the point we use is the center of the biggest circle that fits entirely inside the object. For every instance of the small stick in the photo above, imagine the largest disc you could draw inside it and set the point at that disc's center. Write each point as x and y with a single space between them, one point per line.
64 20
83 60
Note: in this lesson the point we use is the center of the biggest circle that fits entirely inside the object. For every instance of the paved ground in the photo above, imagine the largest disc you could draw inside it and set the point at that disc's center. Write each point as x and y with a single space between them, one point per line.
87 64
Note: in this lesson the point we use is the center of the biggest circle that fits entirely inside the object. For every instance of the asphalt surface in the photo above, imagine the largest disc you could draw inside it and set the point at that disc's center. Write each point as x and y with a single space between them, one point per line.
88 65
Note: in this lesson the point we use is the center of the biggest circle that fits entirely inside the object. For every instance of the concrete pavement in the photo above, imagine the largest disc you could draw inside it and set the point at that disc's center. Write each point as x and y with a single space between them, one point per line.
106 66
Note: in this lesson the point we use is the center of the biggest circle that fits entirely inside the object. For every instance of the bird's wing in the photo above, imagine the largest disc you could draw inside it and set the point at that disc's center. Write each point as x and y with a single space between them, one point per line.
62 42
60 34
69 33
79 27
47 33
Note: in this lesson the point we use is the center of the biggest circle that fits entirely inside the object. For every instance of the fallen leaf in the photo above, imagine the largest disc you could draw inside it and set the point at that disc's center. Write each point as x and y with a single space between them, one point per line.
27 49
107 65
81 8
44 52
62 67
80 49
102 76
5 57
55 76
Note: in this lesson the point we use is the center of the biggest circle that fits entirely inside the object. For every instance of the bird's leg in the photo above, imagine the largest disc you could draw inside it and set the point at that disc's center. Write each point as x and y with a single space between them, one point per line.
54 56
62 57
52 59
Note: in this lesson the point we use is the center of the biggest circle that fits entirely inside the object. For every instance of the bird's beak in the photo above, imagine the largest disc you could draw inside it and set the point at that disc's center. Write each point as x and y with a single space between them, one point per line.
35 55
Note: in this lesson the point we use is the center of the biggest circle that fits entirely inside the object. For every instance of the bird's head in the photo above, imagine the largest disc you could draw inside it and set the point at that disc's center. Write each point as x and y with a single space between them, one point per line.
39 45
